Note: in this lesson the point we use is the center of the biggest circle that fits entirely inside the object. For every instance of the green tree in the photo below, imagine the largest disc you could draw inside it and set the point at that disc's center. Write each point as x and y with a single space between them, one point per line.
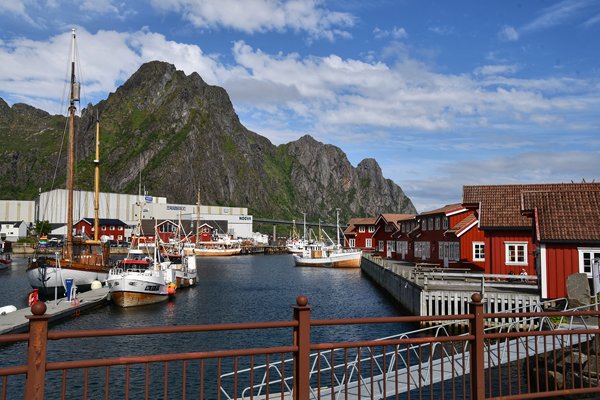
42 227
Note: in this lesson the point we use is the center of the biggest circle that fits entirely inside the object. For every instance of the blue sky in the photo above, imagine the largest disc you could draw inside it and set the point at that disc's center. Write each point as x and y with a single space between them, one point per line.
441 93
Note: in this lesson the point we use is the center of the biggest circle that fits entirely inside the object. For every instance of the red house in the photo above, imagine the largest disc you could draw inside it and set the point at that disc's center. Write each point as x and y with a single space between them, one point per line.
386 225
566 232
431 243
114 229
501 241
359 233
404 243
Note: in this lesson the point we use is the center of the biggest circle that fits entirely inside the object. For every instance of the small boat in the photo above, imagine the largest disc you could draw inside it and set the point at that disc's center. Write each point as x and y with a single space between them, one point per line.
319 254
82 260
137 280
179 268
5 261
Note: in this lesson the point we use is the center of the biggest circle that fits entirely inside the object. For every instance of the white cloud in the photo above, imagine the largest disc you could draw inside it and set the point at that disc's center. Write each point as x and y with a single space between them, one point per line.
496 69
557 14
252 16
17 8
99 6
508 33
592 21
394 33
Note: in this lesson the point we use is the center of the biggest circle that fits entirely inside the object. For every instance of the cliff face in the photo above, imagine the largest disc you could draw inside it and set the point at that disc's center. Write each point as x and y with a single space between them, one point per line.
181 135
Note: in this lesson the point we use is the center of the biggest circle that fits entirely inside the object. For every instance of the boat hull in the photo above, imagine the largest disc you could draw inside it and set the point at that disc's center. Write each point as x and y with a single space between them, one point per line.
339 260
217 252
49 279
131 289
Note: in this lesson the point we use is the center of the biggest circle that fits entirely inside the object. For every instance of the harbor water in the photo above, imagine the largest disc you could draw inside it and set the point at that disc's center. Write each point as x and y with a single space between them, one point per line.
230 290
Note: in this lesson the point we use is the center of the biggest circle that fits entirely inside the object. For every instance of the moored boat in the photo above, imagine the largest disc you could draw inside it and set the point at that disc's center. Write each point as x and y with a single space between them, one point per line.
5 261
136 282
179 269
332 256
84 261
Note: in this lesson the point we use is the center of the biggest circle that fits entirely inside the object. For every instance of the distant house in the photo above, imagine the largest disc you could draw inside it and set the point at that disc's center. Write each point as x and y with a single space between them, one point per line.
386 225
404 243
359 233
566 233
11 231
114 229
431 243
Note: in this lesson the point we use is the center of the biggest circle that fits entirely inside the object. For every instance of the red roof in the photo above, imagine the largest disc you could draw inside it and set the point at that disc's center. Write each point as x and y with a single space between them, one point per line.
500 205
463 225
568 215
354 222
447 209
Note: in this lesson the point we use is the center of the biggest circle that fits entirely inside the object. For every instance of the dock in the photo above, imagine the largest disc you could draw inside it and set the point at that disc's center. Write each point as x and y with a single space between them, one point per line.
16 322
424 290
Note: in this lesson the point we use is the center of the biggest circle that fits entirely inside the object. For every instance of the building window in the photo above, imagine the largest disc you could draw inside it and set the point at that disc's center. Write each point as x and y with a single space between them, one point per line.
516 253
112 227
391 245
478 251
402 247
449 251
381 246
444 223
437 223
120 238
120 228
430 224
371 229
352 242
361 229
368 243
422 250
586 259
103 227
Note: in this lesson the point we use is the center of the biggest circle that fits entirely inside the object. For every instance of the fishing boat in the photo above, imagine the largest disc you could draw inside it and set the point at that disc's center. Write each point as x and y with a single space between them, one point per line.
83 260
319 254
137 280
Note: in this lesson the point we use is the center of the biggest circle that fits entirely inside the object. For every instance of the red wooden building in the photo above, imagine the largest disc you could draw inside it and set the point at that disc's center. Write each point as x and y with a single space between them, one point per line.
404 243
359 233
114 229
386 225
566 232
502 242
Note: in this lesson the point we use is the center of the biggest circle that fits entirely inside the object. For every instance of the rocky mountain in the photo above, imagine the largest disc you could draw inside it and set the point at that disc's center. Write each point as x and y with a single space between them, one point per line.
182 135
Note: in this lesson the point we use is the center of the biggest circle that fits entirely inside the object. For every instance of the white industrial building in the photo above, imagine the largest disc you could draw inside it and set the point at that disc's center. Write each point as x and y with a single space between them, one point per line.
17 210
52 207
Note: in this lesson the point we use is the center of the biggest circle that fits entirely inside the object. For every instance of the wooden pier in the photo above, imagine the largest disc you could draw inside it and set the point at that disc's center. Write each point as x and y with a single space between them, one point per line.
16 322
426 290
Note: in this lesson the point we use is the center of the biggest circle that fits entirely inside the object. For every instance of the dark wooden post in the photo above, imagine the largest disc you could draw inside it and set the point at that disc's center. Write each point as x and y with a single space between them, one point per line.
36 352
302 340
477 351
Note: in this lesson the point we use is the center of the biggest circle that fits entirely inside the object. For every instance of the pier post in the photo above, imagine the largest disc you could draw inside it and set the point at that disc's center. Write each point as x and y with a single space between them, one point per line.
477 366
302 341
36 352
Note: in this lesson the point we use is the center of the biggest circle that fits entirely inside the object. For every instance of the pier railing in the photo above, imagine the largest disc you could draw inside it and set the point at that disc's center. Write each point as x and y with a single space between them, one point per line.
559 357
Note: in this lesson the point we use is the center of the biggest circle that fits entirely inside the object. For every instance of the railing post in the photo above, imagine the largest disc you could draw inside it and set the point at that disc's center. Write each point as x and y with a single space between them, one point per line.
302 341
477 366
36 352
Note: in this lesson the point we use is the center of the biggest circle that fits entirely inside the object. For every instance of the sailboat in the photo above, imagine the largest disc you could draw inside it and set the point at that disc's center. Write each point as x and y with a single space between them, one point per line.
218 245
84 261
320 255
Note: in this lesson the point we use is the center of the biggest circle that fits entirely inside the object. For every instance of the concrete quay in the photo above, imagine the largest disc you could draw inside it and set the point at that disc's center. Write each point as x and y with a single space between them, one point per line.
16 321
426 290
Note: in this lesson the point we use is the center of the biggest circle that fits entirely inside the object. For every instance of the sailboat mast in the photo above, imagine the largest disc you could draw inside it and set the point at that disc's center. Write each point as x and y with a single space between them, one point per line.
198 217
337 225
74 96
97 179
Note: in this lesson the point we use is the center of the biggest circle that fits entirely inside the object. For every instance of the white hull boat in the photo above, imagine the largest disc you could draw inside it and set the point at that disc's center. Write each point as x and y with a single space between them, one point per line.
318 257
137 287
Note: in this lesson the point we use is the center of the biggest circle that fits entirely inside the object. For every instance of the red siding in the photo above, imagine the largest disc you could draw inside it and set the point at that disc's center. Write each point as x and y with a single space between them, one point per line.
466 249
495 263
561 261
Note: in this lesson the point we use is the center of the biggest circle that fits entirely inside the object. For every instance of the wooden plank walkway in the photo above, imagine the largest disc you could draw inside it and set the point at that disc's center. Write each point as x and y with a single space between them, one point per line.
15 322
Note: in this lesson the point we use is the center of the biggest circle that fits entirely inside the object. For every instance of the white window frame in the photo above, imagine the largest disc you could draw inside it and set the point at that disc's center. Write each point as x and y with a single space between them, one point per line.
437 223
429 224
371 228
381 245
478 254
422 250
361 229
444 222
507 253
352 242
369 243
583 260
